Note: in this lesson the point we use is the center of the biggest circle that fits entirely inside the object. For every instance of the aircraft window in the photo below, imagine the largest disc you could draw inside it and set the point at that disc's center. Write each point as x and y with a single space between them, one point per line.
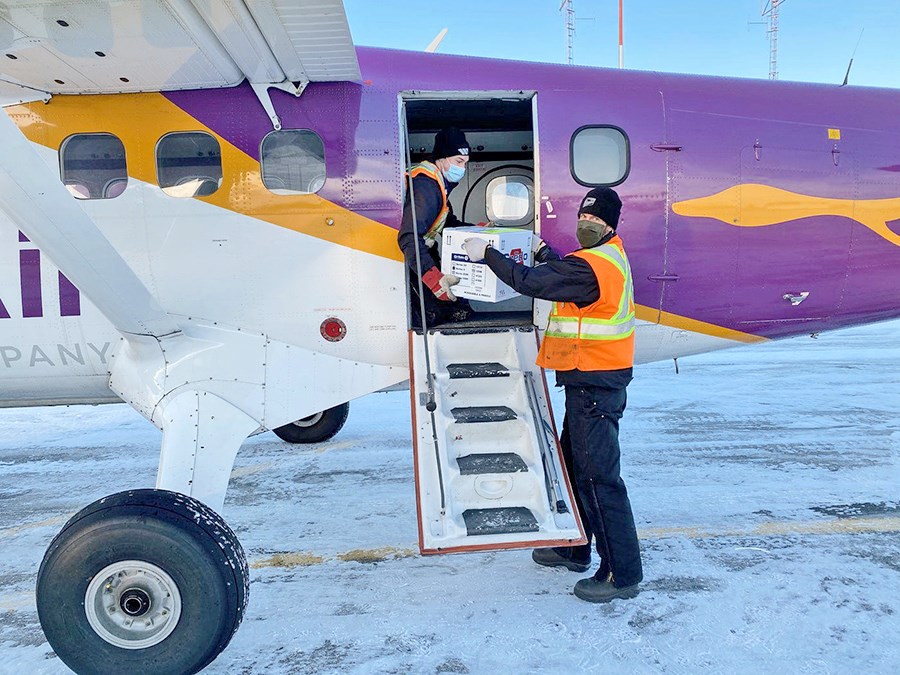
114 188
78 191
293 162
510 200
189 164
92 166
599 155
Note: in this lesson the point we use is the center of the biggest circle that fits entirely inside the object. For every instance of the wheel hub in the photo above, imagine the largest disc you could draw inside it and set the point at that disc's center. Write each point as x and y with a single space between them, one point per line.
309 421
135 602
132 604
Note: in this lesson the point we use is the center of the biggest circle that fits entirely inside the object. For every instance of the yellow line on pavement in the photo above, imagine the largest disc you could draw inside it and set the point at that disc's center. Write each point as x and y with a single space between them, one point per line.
770 529
12 603
836 526
289 560
858 525
252 469
337 445
13 531
306 559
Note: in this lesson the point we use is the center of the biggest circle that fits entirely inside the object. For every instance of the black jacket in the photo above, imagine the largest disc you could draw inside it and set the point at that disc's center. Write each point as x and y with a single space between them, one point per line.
568 279
428 205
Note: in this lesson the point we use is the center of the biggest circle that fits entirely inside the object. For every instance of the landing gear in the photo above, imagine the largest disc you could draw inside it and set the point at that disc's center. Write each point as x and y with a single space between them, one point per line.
143 581
315 428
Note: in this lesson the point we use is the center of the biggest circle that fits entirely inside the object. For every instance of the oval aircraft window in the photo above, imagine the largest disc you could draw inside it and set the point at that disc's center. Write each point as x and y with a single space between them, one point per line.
599 155
509 200
188 164
92 166
293 161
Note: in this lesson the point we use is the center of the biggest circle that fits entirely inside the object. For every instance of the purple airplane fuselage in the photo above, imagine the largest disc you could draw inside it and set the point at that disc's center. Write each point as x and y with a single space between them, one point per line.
690 138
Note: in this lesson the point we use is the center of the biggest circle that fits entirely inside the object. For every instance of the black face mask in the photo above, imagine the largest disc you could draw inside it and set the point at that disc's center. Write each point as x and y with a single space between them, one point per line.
588 233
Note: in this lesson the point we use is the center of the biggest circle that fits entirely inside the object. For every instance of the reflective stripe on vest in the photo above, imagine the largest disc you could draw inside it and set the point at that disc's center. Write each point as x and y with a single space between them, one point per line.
561 326
599 336
430 169
621 324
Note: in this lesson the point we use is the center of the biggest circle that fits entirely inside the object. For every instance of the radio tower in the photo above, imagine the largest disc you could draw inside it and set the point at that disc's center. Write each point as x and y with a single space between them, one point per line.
570 28
770 12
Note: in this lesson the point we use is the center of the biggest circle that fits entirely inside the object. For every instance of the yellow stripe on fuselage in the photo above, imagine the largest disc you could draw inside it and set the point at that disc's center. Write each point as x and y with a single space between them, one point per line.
692 325
754 205
140 120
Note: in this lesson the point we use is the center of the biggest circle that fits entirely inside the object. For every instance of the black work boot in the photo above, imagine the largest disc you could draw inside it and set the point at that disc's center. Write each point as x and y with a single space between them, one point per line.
602 589
560 557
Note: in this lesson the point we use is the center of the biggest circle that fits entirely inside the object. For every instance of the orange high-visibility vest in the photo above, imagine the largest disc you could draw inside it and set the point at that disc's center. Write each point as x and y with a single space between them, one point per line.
599 336
429 169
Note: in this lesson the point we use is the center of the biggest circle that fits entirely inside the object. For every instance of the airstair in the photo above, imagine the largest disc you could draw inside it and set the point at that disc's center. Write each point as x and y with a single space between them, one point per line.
489 472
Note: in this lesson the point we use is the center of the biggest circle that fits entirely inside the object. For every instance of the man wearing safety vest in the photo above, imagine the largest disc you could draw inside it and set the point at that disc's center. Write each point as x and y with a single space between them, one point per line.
432 181
589 342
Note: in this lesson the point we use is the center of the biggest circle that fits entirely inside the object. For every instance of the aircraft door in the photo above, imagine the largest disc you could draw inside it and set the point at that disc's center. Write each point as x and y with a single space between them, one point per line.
751 248
793 255
589 139
701 254
872 288
499 182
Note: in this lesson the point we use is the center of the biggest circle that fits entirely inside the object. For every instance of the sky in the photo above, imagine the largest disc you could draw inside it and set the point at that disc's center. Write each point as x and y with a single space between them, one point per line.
816 38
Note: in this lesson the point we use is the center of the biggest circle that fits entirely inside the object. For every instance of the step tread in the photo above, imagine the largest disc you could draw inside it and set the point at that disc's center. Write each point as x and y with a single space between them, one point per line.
471 370
506 520
486 413
491 462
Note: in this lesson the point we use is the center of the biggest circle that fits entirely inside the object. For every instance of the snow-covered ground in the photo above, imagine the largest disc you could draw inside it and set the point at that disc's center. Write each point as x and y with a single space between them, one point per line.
765 482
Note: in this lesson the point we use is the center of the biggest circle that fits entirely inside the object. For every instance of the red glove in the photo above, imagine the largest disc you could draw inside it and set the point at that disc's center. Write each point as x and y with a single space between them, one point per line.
440 284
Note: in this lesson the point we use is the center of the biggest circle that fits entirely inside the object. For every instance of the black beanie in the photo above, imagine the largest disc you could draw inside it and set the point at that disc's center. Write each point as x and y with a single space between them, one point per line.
604 203
449 142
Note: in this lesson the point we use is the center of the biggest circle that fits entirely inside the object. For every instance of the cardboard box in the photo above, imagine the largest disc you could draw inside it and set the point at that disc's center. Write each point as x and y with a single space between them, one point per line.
476 280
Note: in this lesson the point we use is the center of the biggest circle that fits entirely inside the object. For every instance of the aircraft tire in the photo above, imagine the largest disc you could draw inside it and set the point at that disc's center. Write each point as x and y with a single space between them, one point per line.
143 581
315 428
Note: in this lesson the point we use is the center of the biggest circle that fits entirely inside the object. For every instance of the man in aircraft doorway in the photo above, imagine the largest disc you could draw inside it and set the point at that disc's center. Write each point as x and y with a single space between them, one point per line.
432 181
590 344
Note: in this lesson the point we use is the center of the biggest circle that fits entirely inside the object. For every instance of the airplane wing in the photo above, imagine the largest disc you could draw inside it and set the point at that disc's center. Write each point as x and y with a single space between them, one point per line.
101 47
33 197
52 47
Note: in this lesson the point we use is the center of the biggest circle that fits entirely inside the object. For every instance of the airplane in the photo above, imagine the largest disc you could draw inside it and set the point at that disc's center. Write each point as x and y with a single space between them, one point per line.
200 202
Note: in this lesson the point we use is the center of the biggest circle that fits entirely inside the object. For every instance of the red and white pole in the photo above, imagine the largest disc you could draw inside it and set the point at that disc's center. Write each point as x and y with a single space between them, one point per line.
621 39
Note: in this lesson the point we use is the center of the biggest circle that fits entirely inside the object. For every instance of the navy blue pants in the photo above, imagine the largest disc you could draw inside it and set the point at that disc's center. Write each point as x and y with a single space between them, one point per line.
590 445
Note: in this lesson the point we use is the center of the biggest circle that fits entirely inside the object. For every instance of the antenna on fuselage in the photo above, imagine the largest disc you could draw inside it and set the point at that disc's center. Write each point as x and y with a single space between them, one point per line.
850 65
433 45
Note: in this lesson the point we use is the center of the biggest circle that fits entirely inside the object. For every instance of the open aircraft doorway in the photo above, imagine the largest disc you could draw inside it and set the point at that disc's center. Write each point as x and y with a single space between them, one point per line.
499 186
489 472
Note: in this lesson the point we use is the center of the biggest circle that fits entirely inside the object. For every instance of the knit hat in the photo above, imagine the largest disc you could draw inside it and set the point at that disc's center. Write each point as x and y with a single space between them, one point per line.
604 203
449 142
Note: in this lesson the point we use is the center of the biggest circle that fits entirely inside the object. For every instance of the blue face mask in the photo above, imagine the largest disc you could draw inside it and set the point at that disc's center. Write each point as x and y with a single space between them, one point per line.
455 173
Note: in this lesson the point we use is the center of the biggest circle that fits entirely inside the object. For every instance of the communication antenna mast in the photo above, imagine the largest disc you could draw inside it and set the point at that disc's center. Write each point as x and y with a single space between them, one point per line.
769 11
569 6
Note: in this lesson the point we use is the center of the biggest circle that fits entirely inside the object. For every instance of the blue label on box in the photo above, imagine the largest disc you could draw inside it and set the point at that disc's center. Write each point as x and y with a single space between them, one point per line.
462 257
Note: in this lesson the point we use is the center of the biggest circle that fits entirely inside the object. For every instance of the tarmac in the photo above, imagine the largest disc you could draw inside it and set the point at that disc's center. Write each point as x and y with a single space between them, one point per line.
765 482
